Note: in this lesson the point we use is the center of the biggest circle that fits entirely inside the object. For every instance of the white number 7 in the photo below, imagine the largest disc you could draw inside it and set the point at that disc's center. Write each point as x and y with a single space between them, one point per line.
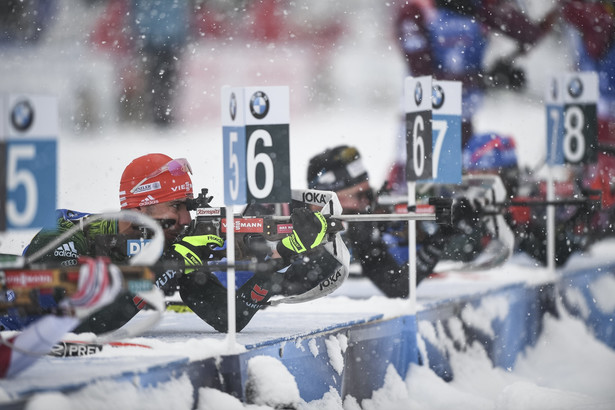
441 127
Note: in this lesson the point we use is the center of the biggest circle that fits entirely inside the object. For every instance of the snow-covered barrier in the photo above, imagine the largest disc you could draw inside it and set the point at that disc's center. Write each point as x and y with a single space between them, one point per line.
352 357
506 320
590 295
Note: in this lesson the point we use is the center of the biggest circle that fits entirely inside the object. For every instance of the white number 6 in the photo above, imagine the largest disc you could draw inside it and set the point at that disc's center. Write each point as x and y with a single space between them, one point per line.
418 145
253 160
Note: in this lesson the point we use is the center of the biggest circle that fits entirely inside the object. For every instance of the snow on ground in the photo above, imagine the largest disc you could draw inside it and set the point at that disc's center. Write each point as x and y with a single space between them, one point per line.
566 369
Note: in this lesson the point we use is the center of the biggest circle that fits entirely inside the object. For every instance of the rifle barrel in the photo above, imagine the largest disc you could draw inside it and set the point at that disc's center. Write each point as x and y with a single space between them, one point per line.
557 202
410 216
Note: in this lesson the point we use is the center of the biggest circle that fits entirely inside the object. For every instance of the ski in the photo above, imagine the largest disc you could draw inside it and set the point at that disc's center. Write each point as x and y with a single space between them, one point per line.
75 348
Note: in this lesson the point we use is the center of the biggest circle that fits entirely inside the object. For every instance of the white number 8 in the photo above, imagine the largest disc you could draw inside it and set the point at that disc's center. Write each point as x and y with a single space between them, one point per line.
574 134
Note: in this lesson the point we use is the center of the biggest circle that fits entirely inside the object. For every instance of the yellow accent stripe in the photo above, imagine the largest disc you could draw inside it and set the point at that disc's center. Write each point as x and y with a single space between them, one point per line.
293 243
323 230
179 308
200 240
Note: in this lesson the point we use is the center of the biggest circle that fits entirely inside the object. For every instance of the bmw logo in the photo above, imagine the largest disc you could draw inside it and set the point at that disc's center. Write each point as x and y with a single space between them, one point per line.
418 94
437 97
22 115
233 106
575 87
259 105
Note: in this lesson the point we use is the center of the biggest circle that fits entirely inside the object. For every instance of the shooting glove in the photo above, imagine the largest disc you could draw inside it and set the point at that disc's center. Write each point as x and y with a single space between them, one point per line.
465 238
195 250
429 254
309 231
465 210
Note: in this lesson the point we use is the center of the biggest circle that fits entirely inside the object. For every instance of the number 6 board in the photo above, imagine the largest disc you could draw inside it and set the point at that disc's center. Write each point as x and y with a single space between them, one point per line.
256 144
417 104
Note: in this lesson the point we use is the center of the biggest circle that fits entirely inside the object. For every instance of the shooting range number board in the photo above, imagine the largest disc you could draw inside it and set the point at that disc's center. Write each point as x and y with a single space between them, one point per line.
446 132
572 123
417 106
433 130
28 148
255 132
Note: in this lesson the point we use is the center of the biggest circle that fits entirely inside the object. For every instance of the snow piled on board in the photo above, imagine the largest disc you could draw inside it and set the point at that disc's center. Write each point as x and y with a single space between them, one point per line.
566 369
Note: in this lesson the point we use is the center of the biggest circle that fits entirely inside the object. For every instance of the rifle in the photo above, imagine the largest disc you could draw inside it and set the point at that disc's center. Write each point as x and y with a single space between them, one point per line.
30 290
25 285
593 200
490 199
212 220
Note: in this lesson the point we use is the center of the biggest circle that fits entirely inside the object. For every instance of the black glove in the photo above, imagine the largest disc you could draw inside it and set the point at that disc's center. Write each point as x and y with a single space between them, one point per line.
309 231
464 239
505 75
195 250
466 211
360 235
429 254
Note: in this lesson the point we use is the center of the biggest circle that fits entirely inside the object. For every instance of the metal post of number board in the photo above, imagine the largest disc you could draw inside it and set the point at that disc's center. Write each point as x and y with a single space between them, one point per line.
550 191
550 220
230 277
412 249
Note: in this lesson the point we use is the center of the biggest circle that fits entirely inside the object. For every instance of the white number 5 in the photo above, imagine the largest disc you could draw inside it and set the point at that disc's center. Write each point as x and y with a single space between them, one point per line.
17 177
234 166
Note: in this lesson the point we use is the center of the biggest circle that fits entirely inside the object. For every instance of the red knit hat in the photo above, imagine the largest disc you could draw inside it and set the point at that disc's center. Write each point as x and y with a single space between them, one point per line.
153 179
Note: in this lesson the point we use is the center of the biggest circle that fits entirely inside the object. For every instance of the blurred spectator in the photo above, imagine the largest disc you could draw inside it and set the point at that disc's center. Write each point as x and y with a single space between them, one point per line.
25 21
161 31
112 34
147 38
448 40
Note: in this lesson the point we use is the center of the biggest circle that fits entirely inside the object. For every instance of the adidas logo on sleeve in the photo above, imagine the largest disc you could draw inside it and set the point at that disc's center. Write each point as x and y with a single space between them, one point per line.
66 250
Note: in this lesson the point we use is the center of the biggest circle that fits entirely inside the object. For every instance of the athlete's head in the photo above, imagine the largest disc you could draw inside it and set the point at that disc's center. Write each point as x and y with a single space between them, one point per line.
158 186
493 154
341 169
